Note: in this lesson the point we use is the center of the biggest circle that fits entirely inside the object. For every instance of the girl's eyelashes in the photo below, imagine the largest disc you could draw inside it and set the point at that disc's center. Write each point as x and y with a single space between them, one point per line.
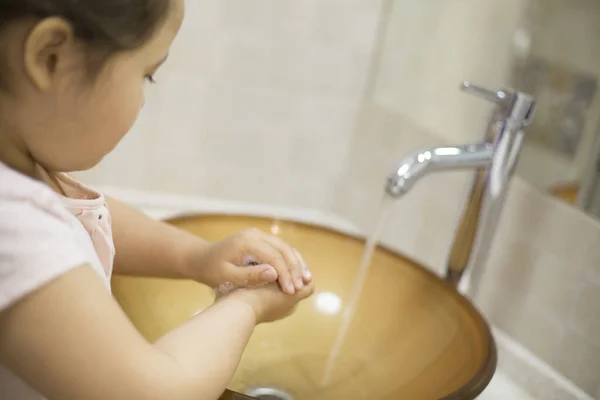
150 78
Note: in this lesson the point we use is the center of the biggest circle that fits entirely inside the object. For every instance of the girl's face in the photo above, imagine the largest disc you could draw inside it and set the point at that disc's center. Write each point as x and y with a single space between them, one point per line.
66 120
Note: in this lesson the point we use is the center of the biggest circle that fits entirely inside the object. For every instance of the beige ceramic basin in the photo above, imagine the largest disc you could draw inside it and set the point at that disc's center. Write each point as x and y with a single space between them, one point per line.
412 336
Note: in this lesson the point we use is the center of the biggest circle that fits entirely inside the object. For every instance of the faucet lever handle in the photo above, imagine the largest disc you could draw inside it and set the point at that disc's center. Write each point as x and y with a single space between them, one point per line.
517 105
495 96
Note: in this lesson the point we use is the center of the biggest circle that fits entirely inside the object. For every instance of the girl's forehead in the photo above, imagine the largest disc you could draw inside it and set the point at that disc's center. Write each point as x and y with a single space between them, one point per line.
166 33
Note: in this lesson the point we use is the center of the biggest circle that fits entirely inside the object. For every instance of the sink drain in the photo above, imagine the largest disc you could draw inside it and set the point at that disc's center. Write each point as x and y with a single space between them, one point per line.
267 393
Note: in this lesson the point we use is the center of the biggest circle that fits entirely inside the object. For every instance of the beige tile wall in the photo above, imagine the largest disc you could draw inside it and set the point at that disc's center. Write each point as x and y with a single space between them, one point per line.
263 101
256 102
432 46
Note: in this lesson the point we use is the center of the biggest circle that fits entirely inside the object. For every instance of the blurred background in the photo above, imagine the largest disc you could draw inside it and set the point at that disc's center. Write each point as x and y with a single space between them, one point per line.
310 103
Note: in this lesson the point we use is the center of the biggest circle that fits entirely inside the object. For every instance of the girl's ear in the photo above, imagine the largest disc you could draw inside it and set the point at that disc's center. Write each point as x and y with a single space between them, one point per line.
49 46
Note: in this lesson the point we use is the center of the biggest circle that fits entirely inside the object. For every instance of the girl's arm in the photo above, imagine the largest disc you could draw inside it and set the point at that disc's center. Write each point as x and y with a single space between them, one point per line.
146 247
71 341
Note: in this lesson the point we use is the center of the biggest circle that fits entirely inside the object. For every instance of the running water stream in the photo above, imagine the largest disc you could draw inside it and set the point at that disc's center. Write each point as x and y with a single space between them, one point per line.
357 288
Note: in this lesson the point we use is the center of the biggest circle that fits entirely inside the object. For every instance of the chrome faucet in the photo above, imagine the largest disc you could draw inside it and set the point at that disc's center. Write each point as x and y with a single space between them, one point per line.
494 160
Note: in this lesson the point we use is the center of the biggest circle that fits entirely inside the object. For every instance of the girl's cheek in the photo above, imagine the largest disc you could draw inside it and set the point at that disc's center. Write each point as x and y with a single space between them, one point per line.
131 104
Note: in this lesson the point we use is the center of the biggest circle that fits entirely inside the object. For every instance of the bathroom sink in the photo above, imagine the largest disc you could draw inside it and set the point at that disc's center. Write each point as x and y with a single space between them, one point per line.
412 335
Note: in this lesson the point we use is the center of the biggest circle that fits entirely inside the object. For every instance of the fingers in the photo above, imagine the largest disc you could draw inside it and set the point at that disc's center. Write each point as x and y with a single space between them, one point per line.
306 274
252 275
287 261
300 295
292 258
269 254
306 291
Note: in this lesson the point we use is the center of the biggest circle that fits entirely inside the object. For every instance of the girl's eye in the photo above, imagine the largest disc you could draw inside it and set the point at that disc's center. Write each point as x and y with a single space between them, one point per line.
150 79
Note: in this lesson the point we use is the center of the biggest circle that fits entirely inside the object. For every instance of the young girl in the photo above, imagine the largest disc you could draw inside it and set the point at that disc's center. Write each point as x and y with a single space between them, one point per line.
71 85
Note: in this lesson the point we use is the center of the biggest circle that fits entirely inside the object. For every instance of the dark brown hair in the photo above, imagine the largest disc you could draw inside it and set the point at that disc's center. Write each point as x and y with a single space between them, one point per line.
106 26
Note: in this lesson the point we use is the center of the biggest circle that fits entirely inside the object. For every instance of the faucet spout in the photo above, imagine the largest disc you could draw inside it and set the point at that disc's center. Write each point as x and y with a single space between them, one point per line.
494 161
415 166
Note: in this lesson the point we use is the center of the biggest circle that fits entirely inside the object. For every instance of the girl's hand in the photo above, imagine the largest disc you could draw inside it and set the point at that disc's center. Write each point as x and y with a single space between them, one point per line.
267 302
249 258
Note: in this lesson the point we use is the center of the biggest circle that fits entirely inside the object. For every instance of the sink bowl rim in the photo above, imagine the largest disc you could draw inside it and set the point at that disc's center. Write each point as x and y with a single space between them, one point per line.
472 388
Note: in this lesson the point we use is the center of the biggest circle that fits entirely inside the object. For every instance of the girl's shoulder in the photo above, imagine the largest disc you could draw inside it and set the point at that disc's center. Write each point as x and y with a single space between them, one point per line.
39 239
20 192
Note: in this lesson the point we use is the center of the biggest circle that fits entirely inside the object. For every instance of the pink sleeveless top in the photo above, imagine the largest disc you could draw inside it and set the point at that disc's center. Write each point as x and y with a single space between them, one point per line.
90 209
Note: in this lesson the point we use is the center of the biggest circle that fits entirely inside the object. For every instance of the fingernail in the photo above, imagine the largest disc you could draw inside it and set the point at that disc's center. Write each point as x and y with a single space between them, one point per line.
307 274
291 289
269 274
299 283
